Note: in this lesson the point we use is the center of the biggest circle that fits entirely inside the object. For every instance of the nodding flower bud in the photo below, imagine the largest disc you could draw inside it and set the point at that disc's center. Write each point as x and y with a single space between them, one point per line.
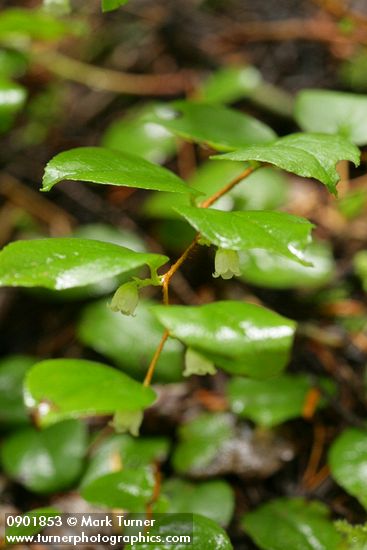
227 263
126 298
128 421
195 363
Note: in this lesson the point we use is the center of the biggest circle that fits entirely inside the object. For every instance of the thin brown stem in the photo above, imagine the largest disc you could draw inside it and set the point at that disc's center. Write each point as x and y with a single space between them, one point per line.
166 278
153 363
315 456
208 202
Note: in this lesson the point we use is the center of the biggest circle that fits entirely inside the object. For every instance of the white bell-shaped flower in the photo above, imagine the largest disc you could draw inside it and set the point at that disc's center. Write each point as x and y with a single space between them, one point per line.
126 298
227 263
128 421
195 363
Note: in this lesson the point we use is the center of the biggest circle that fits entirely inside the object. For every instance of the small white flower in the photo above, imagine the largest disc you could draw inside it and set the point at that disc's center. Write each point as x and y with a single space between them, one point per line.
227 263
125 299
128 421
195 363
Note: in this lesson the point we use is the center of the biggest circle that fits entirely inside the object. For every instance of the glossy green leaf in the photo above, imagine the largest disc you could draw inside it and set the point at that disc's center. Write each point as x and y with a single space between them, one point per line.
12 99
271 402
110 5
115 337
133 453
31 529
348 462
67 263
276 232
17 23
129 489
308 155
69 388
37 459
266 269
200 440
207 535
109 234
132 134
230 84
222 128
264 189
241 338
108 167
333 112
12 372
212 499
292 523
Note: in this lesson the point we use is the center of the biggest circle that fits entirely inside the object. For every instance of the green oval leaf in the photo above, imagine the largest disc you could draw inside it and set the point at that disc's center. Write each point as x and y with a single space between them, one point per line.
37 459
271 402
212 499
129 489
333 112
292 523
276 232
101 165
106 233
12 372
114 336
200 441
222 128
241 338
205 533
67 263
266 269
348 463
230 84
133 134
307 155
134 453
69 388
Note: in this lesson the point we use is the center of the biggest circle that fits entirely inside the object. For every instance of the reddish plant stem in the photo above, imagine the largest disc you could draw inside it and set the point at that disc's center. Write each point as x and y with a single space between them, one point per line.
153 363
211 200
